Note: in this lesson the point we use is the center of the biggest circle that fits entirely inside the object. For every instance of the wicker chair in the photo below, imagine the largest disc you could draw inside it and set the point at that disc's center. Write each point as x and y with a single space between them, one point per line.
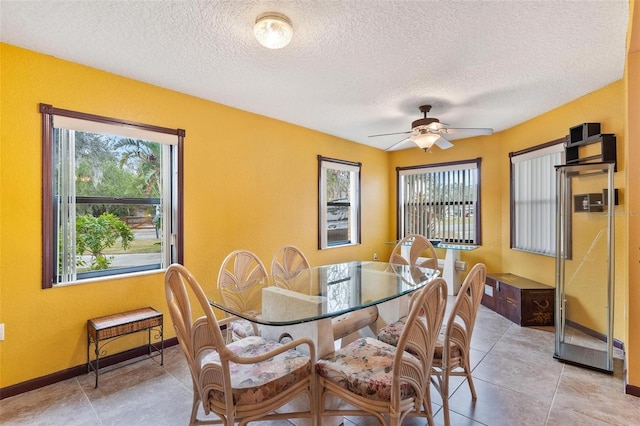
451 357
238 288
420 246
290 269
378 379
242 381
288 260
421 253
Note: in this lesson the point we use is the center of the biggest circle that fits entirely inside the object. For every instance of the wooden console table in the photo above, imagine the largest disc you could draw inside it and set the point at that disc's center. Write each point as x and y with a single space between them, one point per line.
105 329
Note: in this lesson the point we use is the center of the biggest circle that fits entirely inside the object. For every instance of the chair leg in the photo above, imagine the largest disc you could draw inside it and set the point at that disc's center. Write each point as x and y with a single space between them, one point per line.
194 409
444 392
319 399
466 367
428 409
313 401
467 372
394 420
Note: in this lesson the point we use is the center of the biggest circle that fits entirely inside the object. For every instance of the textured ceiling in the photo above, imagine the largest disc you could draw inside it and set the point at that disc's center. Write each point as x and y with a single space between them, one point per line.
354 67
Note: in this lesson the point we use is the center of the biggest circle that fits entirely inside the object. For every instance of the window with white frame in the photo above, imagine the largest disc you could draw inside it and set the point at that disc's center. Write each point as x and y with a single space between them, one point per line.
533 197
111 196
440 201
338 202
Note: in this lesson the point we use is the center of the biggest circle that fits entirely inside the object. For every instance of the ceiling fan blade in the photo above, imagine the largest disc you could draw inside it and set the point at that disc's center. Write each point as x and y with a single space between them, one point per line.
390 134
443 143
471 131
396 144
437 126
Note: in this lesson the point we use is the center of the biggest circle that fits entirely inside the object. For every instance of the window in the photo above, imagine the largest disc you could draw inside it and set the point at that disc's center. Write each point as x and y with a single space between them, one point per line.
339 203
533 197
111 196
440 201
341 290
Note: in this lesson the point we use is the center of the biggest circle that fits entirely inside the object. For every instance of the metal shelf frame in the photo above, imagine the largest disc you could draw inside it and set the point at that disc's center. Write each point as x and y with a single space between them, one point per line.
566 349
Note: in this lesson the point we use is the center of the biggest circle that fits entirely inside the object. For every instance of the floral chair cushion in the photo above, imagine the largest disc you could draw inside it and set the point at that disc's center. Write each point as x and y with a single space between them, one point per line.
364 367
242 328
454 351
254 383
391 333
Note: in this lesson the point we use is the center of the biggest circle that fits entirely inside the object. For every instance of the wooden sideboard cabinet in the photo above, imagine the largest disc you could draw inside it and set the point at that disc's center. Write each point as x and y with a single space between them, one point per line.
523 301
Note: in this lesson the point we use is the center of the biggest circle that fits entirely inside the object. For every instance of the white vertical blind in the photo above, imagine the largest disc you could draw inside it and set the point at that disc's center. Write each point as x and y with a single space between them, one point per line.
65 205
534 199
440 202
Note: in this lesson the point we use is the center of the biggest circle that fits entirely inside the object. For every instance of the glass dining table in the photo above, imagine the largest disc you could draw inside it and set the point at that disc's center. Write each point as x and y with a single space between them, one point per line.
304 303
312 302
452 266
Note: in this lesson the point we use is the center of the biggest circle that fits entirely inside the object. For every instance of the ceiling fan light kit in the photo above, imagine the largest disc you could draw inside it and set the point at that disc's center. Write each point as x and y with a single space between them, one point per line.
424 139
429 131
273 30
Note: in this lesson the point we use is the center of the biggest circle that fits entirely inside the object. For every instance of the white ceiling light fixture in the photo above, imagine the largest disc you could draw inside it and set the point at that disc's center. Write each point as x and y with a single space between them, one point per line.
273 30
425 139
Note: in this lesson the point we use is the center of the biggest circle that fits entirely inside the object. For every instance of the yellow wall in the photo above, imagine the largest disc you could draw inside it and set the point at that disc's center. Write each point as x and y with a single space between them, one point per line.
605 106
250 182
241 191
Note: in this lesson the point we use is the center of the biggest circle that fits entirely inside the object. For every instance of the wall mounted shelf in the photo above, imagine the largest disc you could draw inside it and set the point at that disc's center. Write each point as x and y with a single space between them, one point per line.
587 203
587 145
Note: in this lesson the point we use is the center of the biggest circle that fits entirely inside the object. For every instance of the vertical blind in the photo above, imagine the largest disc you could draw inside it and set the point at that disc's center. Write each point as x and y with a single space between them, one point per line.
440 202
534 199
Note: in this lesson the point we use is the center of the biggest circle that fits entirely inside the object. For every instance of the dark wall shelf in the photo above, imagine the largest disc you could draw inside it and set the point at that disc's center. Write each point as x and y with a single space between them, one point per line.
582 132
589 134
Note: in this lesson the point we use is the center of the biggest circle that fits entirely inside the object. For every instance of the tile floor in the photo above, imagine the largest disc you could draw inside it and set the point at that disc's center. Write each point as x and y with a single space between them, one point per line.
517 380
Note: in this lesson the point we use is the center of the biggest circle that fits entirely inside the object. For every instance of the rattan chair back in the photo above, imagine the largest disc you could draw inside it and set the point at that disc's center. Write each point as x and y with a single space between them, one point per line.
288 260
421 252
452 357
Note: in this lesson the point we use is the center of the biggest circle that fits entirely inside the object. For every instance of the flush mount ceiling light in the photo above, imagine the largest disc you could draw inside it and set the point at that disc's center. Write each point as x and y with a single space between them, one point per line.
273 30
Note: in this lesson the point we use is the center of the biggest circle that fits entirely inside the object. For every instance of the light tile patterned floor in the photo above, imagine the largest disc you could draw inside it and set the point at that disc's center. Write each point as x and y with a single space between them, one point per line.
517 380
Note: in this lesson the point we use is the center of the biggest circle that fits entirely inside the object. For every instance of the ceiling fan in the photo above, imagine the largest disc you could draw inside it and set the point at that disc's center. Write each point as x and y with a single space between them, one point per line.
429 131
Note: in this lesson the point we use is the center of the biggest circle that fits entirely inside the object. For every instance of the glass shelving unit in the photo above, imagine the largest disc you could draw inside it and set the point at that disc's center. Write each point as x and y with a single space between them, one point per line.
585 273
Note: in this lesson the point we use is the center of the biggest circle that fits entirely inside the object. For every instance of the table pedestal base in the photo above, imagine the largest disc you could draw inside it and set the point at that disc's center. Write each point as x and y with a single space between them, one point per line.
450 272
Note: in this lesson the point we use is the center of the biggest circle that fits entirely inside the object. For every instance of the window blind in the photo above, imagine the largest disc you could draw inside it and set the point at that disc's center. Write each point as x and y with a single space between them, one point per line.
534 199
